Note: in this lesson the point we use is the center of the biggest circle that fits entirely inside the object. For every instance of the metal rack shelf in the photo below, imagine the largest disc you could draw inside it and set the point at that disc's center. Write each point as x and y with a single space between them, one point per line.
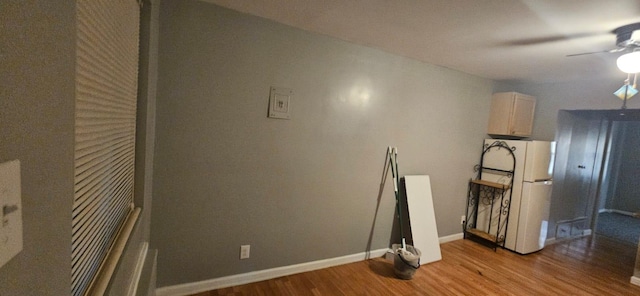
491 184
488 203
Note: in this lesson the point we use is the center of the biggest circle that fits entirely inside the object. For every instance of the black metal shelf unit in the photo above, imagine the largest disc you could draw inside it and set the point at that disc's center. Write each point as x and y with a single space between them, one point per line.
489 198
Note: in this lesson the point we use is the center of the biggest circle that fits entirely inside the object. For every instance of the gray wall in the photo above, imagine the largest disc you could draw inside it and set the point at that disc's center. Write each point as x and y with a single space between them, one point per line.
37 53
37 45
623 191
296 190
302 189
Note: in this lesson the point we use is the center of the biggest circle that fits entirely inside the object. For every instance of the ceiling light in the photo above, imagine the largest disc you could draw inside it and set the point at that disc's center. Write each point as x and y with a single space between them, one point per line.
630 62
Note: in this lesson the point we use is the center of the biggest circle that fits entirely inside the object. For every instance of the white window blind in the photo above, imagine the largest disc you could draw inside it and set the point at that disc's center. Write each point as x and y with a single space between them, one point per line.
106 95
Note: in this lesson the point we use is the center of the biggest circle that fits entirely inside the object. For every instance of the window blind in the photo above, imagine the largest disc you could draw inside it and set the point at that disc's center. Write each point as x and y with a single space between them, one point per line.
106 95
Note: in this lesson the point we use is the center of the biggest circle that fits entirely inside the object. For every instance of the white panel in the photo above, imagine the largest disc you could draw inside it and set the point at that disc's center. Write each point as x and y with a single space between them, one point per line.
10 211
534 216
422 217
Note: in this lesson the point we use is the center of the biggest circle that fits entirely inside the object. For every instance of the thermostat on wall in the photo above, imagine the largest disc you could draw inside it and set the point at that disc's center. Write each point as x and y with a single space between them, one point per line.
280 102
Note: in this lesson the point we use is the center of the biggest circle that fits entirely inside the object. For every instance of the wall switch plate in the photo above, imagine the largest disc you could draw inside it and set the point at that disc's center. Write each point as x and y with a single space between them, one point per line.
244 251
280 103
10 211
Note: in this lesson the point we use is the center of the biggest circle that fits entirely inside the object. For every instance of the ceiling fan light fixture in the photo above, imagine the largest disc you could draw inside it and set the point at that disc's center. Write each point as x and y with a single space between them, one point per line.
629 63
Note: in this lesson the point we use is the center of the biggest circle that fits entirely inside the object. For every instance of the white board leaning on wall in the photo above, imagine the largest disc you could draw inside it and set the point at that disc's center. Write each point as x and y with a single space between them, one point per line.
422 217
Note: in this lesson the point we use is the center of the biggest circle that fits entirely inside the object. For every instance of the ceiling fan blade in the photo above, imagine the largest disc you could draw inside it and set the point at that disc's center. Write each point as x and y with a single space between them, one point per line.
595 52
551 39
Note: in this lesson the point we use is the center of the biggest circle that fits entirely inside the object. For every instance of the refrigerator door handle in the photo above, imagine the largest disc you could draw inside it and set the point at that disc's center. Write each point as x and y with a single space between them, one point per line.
541 180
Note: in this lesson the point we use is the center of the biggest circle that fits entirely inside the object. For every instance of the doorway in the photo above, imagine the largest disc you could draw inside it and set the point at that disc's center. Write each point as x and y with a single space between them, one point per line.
595 178
618 209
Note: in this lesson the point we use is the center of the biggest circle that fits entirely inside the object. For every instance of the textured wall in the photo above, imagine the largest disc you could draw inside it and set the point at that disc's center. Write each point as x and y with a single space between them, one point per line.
37 54
302 189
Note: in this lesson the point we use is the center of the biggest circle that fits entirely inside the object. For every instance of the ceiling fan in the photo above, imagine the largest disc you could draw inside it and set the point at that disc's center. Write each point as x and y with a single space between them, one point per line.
625 40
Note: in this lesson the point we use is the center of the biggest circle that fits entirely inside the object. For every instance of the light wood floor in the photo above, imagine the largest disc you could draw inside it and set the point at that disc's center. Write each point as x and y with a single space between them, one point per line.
584 266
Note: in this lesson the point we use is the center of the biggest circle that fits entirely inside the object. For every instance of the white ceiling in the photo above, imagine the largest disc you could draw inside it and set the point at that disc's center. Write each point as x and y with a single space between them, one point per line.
512 40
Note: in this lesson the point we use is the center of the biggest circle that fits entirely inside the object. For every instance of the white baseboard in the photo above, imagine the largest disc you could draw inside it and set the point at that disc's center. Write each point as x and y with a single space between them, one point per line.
635 280
627 213
135 278
261 275
553 240
550 241
450 238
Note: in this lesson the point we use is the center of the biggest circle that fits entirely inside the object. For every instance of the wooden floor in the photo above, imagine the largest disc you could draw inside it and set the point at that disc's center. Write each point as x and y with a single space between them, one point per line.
585 266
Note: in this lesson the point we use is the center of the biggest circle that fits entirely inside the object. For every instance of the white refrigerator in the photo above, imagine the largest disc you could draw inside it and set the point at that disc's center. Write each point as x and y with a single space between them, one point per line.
531 196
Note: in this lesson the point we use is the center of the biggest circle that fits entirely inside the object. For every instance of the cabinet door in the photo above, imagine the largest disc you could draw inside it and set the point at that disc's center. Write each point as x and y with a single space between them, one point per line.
501 114
521 122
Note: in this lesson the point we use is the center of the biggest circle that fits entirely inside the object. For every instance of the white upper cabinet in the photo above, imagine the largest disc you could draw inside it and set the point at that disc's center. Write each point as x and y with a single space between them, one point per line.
511 115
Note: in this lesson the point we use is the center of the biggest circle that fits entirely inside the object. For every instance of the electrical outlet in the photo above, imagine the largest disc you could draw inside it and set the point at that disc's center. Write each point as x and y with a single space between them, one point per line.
563 230
463 219
244 251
